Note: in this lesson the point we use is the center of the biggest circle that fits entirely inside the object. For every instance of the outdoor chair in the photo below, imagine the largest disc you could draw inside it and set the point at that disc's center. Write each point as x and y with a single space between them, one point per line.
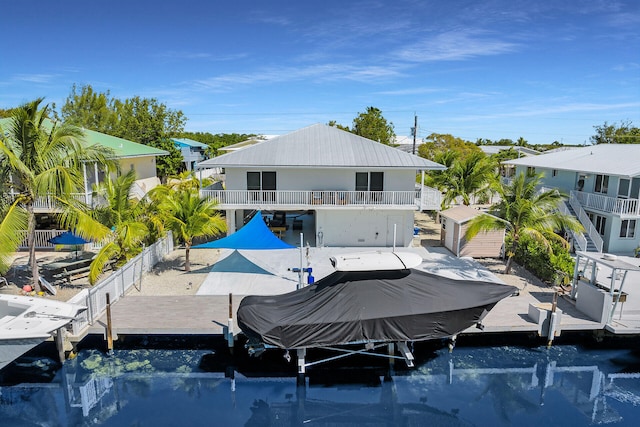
279 220
3 283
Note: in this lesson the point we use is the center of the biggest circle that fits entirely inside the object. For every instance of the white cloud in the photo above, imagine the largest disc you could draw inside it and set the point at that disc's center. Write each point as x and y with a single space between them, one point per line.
456 46
318 73
35 78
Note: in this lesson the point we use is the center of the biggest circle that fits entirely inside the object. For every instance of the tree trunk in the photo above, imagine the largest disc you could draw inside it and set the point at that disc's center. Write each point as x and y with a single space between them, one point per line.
507 268
31 242
514 246
187 264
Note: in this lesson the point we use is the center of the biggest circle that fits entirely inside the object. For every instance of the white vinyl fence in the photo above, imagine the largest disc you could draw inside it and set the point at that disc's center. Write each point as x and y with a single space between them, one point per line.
117 284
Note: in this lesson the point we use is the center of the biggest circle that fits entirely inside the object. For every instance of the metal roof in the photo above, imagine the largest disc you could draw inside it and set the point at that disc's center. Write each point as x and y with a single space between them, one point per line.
495 149
605 159
122 147
320 145
186 142
461 214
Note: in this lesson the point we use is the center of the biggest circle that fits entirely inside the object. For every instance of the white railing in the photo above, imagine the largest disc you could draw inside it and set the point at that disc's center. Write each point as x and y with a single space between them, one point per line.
586 223
578 238
117 284
321 197
41 240
628 207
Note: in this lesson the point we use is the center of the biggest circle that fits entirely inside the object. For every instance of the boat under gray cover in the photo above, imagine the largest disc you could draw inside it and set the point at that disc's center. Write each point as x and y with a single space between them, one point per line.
369 306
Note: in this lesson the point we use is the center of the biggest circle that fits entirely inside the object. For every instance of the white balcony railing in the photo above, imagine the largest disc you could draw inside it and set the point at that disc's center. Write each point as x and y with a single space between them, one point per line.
586 223
623 207
430 199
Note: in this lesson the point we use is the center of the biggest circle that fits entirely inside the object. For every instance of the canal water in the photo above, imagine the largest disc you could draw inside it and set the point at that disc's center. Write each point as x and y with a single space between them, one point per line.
150 383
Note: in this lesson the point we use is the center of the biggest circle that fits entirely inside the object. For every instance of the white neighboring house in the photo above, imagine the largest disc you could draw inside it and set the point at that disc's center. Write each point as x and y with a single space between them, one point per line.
603 184
358 190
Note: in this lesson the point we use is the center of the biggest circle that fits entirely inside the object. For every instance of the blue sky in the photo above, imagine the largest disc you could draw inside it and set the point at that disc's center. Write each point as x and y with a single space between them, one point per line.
541 70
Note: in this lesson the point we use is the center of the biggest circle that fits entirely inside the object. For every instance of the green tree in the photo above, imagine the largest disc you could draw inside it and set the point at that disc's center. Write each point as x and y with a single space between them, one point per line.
334 124
470 177
142 120
43 159
89 109
439 179
125 220
437 143
525 211
624 133
14 221
186 213
151 123
372 125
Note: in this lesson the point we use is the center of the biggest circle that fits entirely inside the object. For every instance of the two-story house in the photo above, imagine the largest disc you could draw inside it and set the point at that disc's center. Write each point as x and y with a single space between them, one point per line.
193 152
355 191
603 184
130 156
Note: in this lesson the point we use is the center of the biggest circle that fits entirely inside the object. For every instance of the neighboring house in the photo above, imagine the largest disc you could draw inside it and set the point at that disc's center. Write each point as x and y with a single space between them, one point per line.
454 226
603 185
244 144
193 152
131 156
358 192
495 149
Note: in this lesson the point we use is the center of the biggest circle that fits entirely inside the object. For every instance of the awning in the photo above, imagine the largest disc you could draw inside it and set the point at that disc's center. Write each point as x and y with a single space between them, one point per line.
254 235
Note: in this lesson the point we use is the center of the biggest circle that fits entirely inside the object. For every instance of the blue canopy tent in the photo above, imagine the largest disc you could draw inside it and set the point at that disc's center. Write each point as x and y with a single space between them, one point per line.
254 235
237 263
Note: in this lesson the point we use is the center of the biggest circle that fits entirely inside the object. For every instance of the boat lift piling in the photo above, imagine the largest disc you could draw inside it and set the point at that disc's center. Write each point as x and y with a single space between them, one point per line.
109 325
230 341
553 320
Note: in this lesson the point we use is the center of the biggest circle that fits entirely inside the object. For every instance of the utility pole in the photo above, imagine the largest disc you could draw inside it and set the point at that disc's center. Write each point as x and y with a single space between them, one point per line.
415 132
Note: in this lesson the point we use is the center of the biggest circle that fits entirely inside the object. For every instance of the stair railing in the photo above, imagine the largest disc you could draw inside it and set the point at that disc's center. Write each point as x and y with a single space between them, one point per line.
582 216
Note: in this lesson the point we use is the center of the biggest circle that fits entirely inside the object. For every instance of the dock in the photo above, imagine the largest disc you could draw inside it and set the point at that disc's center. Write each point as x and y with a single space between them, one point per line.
526 312
169 315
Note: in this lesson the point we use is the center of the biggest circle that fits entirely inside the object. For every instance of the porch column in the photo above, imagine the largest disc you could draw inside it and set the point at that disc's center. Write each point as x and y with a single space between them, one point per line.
86 183
421 190
231 221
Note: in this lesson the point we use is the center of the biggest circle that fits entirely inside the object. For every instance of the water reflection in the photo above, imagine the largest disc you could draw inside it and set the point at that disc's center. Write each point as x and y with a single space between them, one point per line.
472 386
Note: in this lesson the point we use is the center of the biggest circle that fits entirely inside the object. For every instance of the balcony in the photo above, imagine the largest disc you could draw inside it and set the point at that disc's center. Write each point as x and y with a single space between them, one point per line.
321 199
623 207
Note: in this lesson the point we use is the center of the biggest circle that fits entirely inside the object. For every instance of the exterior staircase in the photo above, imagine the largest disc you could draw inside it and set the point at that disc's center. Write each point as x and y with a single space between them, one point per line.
590 244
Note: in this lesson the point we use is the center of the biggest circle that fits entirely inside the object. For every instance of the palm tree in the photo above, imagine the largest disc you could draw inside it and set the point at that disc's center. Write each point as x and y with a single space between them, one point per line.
14 220
524 210
41 158
186 214
125 219
469 177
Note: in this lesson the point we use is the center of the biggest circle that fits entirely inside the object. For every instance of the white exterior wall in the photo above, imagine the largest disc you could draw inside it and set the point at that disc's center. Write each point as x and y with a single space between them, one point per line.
303 179
363 227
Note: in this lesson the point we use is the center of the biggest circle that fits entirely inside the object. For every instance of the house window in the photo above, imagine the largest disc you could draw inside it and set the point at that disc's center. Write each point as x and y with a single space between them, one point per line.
602 184
253 180
598 221
261 180
628 228
369 181
623 188
263 184
531 170
601 224
554 173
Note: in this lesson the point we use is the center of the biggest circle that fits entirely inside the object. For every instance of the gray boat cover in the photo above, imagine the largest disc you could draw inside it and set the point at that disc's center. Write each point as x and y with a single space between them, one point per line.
369 306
